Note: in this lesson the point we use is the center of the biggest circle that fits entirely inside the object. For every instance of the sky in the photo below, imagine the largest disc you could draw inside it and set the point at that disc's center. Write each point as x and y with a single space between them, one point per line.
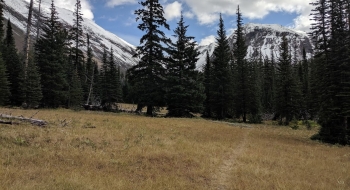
202 16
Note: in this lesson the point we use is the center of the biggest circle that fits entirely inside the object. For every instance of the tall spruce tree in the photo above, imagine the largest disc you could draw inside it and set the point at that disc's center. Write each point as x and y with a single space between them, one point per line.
147 77
103 82
75 92
110 84
2 32
246 99
268 87
285 85
221 88
207 85
331 34
4 83
184 90
31 87
51 57
77 37
13 65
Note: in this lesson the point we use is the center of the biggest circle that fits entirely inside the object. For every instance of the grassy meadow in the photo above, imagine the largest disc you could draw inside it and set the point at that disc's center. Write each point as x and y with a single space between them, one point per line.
97 150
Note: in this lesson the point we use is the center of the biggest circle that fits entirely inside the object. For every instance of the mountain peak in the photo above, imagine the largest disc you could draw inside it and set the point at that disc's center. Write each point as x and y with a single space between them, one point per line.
265 38
17 11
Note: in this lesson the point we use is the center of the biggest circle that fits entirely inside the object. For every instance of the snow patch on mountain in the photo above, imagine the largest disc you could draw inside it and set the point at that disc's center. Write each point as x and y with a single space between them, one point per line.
265 39
17 12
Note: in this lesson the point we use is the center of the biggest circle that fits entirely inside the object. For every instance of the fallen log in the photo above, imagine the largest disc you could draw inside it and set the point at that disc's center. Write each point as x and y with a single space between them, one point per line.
36 122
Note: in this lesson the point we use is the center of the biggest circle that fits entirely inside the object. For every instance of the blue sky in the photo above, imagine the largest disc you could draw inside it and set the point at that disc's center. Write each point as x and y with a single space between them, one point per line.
117 16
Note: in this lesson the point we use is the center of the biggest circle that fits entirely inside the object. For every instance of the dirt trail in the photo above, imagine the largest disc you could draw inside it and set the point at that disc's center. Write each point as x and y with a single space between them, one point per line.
223 173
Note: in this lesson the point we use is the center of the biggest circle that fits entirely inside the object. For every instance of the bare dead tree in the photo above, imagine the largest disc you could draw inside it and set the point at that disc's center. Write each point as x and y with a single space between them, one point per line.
27 37
38 24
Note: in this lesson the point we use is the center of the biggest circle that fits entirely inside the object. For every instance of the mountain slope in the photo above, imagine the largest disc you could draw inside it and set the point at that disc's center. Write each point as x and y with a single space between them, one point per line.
265 38
17 12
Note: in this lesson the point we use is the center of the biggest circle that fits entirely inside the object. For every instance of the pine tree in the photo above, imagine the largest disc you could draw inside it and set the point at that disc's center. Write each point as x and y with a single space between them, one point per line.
2 32
51 57
113 78
77 37
207 85
147 77
75 92
268 87
285 85
103 83
32 86
13 65
245 88
89 73
221 96
4 83
184 90
119 87
332 57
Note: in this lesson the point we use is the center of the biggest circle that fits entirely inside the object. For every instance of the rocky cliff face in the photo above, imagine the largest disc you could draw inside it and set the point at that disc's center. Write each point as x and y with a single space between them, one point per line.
266 38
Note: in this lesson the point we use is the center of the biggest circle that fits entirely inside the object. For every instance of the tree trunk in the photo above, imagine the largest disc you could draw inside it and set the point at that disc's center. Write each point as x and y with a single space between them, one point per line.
27 37
36 122
38 24
149 110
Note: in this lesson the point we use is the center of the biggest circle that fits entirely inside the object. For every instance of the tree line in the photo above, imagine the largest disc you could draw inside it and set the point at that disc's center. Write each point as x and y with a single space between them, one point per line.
56 72
230 86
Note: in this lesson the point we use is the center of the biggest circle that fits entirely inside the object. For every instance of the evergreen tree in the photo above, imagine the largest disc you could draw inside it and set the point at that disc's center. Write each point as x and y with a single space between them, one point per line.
75 92
285 85
246 94
207 85
31 86
268 87
4 83
2 32
119 87
110 84
113 79
77 37
89 73
303 73
331 31
147 77
103 93
221 96
184 90
13 65
254 91
51 56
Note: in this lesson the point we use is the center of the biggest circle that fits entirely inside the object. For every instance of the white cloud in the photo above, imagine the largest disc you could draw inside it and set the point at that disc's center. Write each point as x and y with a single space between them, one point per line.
173 10
189 15
303 22
207 40
207 11
113 3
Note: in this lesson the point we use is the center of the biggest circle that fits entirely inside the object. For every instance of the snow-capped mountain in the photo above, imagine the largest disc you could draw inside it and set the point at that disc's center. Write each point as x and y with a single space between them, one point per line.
265 38
17 12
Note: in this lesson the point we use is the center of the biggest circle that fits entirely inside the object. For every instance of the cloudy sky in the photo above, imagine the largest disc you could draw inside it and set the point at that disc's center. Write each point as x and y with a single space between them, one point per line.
118 16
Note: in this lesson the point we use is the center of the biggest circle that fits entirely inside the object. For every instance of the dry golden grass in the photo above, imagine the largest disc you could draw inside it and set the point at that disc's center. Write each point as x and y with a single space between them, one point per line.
96 150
